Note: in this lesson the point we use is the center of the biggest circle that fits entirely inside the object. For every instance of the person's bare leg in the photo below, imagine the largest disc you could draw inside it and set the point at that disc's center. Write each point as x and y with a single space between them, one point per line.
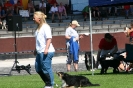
85 16
121 66
98 15
61 17
65 14
58 16
52 17
68 67
94 14
75 66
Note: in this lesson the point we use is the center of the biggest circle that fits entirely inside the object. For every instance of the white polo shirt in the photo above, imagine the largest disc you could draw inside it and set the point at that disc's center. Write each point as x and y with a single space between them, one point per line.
71 32
42 5
41 37
54 9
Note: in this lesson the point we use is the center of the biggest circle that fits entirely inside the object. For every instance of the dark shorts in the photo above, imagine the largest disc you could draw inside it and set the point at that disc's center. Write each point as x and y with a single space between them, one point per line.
70 59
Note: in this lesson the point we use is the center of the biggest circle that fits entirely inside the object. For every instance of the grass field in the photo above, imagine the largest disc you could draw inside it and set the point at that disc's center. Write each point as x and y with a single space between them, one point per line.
109 80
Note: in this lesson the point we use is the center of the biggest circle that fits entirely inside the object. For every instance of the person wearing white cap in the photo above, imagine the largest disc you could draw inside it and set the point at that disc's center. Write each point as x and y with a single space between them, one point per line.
71 33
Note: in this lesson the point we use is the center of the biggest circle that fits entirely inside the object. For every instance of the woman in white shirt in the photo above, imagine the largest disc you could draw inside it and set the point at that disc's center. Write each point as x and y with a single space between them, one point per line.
44 50
71 32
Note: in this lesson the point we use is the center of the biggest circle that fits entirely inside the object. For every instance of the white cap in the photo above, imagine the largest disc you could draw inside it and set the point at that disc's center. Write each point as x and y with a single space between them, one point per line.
75 22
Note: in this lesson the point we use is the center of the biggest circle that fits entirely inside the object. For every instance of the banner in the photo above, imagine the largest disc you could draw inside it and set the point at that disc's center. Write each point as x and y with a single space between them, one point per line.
25 3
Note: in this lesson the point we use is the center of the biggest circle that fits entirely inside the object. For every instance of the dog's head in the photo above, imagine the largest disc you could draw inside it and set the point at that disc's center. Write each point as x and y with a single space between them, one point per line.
61 74
87 54
28 66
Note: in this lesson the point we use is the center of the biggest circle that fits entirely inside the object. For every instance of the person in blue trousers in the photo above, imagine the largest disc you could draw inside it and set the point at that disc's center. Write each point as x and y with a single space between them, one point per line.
44 49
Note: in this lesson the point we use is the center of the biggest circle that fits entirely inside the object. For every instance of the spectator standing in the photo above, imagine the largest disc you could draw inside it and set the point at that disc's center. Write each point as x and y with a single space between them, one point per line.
62 11
72 43
42 6
44 49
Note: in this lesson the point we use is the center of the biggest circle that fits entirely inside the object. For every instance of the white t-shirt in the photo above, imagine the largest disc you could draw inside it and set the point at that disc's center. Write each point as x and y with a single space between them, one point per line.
71 32
42 5
15 1
41 38
54 9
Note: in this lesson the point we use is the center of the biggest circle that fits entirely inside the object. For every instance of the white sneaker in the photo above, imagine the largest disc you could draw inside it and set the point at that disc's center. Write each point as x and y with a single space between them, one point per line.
92 69
99 66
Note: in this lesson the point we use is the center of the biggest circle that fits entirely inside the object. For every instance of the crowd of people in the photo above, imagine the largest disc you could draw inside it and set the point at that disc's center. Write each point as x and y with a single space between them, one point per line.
52 7
47 7
103 12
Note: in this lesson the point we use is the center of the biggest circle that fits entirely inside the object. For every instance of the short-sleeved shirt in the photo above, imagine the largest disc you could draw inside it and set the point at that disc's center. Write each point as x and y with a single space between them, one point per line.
6 5
42 5
54 9
61 8
41 37
86 9
71 32
126 7
107 45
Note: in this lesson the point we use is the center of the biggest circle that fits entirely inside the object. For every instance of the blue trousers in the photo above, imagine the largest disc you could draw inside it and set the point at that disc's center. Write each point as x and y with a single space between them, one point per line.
43 63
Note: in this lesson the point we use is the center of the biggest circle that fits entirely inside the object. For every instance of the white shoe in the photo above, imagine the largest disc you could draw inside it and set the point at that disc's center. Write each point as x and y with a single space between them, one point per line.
92 69
99 67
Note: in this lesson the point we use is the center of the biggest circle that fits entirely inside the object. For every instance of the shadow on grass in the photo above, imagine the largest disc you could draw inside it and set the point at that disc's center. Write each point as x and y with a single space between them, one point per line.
4 74
108 73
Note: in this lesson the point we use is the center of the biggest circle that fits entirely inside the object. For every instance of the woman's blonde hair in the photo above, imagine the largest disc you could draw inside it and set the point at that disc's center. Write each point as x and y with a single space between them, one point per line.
42 18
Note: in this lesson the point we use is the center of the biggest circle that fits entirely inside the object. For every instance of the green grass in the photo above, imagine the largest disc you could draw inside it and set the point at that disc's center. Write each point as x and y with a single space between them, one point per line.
121 80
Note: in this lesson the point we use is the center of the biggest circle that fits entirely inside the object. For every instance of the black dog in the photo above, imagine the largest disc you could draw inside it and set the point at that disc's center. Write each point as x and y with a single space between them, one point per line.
110 63
22 67
88 61
74 80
